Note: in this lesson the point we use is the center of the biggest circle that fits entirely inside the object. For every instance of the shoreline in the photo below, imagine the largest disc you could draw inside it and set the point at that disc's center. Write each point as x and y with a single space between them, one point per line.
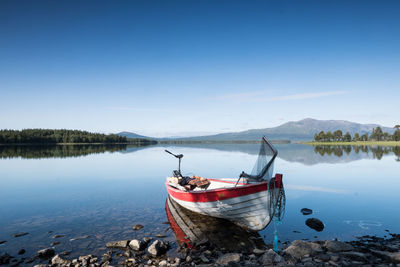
357 143
74 144
365 250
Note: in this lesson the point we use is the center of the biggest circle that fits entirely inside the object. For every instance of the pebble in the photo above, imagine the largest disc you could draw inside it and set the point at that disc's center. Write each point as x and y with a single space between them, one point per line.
117 244
334 258
137 227
58 236
137 245
306 211
162 263
46 253
258 251
204 258
337 246
300 248
160 235
19 234
157 248
228 258
58 261
80 237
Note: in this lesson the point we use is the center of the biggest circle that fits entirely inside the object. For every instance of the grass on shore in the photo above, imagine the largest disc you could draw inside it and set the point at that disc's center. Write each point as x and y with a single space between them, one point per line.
355 143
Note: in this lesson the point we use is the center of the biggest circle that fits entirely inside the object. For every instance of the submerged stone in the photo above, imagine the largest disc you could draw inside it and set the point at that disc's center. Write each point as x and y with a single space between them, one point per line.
137 227
5 259
19 234
117 244
45 253
306 211
315 224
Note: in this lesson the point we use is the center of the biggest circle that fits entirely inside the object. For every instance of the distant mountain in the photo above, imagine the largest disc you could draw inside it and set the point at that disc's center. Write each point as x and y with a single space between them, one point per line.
133 135
302 130
294 130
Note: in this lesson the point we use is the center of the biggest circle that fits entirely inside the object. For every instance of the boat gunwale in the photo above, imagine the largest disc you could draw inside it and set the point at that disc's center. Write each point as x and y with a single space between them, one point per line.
218 194
243 186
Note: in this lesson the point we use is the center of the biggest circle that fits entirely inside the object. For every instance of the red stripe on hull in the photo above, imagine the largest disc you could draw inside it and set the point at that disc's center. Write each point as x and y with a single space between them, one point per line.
180 235
217 194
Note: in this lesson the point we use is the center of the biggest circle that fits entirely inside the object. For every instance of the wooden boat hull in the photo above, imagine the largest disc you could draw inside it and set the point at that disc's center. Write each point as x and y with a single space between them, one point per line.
247 205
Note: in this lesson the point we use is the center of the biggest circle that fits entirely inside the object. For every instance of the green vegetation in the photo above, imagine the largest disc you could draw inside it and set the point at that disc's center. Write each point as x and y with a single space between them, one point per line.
56 151
182 142
49 136
356 143
339 150
377 137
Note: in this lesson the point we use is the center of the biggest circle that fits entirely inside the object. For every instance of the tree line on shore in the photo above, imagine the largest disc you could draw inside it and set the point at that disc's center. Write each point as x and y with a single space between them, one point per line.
56 151
339 150
376 135
50 136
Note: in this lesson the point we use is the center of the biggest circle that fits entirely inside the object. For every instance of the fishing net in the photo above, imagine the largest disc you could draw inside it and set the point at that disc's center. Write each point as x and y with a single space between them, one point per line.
264 167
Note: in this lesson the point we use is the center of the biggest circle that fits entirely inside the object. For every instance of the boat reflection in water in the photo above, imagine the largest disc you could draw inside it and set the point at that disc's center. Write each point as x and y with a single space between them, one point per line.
192 228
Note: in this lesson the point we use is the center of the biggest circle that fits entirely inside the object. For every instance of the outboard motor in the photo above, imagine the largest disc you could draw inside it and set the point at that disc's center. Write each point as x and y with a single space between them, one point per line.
176 173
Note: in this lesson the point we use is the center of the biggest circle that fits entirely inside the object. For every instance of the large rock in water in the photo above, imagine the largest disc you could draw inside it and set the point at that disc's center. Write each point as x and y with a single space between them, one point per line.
299 248
157 248
315 224
337 246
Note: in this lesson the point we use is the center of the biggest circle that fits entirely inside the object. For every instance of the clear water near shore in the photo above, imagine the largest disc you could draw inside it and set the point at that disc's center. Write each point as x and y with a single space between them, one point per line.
95 198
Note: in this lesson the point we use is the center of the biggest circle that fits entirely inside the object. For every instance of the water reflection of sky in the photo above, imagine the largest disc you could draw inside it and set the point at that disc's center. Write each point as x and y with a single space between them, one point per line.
105 194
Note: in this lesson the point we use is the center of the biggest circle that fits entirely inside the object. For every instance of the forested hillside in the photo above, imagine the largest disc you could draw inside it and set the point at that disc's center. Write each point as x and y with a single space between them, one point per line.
50 136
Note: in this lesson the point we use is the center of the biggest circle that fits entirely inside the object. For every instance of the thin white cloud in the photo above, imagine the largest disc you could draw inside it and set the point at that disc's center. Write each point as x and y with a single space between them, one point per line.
139 109
304 96
266 96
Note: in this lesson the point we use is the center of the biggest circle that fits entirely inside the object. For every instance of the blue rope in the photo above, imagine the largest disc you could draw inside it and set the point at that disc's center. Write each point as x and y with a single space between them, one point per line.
276 239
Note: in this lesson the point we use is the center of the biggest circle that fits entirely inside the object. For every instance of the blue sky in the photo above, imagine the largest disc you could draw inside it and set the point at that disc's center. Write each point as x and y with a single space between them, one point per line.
194 67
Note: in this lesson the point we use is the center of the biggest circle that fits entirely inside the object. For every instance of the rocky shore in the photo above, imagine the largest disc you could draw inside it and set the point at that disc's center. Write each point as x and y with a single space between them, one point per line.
365 251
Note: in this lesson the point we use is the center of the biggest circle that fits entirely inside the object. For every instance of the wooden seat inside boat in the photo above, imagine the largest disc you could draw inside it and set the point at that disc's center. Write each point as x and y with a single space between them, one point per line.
213 184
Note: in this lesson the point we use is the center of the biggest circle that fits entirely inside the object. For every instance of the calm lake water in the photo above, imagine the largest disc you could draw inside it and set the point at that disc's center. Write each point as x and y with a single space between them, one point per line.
94 194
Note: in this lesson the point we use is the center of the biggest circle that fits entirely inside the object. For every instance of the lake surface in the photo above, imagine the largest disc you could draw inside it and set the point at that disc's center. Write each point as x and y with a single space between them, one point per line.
91 195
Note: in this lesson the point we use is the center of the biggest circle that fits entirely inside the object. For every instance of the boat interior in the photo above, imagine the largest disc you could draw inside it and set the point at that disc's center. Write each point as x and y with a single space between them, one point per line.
214 184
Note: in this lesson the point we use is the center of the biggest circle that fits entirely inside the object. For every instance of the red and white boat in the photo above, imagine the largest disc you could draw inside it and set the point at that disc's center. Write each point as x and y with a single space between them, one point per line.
250 203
